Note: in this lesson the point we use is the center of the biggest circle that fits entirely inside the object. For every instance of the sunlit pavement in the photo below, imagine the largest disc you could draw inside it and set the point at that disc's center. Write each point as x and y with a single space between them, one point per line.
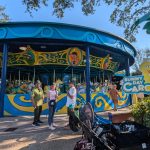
27 137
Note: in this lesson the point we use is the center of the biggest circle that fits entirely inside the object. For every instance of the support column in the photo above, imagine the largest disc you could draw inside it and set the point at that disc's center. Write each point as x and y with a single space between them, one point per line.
88 94
33 75
19 78
128 68
99 75
3 79
128 74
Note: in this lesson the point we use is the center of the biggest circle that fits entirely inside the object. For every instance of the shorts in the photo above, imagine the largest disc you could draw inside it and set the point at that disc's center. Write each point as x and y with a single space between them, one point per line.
115 101
69 111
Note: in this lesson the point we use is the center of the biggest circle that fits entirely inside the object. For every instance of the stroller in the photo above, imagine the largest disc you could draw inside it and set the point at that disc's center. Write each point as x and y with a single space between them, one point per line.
101 134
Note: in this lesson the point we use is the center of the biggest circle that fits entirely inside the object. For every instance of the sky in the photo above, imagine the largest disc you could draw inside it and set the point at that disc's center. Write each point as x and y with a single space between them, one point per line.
100 20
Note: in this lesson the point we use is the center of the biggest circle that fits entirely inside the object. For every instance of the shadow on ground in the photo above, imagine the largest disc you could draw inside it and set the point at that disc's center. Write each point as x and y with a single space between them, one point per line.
59 143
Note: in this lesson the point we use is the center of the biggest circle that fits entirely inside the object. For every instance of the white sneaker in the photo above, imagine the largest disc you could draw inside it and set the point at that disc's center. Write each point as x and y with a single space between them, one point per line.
55 125
52 128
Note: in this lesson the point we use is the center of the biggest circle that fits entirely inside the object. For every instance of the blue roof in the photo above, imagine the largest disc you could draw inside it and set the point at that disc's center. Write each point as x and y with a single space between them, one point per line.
50 30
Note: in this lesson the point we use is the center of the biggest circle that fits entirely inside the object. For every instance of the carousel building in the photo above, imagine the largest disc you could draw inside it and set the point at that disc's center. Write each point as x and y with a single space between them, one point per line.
60 53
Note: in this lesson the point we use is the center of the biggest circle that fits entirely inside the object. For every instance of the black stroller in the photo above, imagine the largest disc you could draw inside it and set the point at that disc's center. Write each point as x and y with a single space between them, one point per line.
101 134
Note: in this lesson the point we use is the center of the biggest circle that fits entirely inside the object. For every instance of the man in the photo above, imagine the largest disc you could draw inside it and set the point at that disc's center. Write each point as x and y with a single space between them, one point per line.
114 96
37 101
71 98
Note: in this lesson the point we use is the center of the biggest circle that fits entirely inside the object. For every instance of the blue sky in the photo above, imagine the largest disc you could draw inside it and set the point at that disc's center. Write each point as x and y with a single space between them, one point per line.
100 20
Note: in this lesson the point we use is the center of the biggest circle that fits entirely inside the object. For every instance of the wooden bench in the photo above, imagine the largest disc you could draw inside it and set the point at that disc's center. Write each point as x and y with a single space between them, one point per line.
117 117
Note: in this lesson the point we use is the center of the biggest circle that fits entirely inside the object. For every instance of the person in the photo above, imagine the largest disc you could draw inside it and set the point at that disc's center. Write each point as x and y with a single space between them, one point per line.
71 98
30 87
82 89
52 97
37 101
114 96
74 58
9 88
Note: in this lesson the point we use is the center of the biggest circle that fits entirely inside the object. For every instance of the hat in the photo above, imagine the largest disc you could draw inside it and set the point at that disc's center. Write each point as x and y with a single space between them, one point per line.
38 82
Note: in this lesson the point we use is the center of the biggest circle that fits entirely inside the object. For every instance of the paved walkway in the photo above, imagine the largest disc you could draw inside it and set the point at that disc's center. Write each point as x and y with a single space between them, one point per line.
26 137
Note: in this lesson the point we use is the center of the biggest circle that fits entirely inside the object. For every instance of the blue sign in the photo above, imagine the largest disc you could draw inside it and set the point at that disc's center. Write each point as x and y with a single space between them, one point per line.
135 84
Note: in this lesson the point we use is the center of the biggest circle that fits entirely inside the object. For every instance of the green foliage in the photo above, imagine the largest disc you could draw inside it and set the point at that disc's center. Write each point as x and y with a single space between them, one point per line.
3 16
141 111
141 55
125 13
34 4
145 18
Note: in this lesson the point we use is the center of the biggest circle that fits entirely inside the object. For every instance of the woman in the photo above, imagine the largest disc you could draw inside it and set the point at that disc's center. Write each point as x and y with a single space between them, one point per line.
114 96
37 99
52 96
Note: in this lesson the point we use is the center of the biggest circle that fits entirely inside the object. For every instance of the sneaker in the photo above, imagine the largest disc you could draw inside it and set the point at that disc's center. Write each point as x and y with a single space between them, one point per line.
40 121
35 124
67 125
55 125
52 128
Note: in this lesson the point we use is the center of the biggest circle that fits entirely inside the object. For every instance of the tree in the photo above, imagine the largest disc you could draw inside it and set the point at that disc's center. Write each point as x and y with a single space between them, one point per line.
3 16
125 13
145 18
141 55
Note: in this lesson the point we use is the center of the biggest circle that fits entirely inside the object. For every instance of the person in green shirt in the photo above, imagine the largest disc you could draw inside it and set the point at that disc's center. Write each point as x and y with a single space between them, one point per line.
37 102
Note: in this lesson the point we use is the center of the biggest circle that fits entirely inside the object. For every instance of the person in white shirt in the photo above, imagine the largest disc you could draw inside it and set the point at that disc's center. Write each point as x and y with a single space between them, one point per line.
52 96
71 98
30 87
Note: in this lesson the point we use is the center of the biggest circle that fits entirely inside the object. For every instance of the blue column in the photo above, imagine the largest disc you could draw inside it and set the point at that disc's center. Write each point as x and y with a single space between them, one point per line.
3 79
128 74
88 95
128 68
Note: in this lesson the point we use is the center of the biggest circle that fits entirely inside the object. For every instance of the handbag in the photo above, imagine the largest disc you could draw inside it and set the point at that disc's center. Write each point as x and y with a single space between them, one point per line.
52 102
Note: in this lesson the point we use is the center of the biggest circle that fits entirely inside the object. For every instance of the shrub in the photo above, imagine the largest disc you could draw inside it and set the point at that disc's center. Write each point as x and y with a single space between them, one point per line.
141 111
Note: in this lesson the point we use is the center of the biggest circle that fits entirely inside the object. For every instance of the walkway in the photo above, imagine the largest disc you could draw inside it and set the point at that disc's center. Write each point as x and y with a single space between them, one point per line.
26 137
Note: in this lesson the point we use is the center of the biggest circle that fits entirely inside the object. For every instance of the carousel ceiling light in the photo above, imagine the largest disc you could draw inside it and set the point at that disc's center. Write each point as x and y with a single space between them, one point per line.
43 46
23 48
85 60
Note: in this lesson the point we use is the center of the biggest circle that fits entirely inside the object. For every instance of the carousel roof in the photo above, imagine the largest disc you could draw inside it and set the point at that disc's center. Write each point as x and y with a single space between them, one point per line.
57 36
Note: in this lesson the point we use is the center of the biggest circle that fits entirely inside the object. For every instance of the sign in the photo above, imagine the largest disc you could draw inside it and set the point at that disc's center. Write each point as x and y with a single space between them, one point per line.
105 62
120 73
135 84
145 69
74 56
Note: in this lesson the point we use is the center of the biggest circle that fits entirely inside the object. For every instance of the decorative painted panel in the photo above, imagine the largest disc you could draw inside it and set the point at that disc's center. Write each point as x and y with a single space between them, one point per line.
71 56
20 104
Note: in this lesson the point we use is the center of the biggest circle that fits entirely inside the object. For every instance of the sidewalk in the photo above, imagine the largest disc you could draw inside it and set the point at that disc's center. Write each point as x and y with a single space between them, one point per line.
27 137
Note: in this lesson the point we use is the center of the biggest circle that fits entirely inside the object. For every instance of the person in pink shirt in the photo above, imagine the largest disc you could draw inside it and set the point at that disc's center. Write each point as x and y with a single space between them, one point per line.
52 97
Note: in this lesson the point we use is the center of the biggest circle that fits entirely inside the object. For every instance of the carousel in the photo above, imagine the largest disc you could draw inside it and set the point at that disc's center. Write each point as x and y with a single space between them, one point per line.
57 53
